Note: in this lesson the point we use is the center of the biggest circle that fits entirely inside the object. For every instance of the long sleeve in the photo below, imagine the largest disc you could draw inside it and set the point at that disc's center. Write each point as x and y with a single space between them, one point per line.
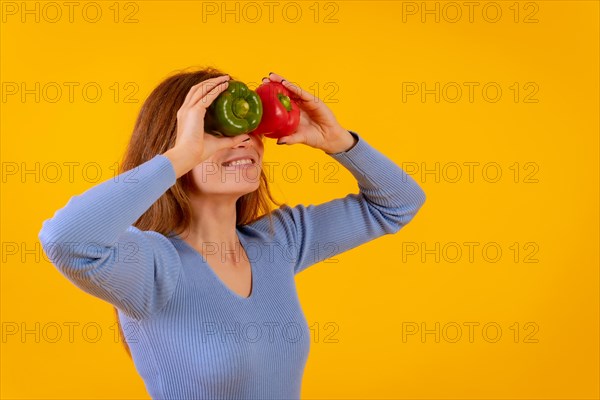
388 199
92 242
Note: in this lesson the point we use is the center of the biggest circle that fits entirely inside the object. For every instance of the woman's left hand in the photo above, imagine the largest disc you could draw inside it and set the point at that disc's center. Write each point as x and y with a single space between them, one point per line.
318 126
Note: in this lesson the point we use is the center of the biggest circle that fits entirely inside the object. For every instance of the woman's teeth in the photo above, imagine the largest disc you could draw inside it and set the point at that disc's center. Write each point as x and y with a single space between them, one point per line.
238 162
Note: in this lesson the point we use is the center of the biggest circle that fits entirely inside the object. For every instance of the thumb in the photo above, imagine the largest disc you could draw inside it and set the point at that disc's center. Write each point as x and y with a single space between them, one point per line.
291 139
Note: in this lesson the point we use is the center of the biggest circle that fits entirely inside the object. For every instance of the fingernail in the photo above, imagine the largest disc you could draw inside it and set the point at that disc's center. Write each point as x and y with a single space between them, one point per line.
280 142
270 73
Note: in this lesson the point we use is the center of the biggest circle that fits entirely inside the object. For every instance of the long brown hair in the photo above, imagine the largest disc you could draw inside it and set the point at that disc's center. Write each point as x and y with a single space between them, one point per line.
154 133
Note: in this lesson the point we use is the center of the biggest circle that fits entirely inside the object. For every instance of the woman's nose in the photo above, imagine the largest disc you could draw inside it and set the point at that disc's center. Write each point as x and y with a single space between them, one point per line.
245 143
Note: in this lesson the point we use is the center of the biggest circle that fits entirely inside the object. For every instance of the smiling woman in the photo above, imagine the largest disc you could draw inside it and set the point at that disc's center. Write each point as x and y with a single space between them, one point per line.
173 211
209 297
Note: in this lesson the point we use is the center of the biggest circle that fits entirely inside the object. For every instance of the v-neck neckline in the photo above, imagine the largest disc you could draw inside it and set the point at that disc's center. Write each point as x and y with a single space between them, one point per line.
212 272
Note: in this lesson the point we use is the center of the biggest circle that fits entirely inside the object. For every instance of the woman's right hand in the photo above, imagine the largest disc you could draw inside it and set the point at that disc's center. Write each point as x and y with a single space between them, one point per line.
193 145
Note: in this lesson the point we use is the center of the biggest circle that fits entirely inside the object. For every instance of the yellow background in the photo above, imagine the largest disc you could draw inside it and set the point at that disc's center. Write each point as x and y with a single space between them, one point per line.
371 291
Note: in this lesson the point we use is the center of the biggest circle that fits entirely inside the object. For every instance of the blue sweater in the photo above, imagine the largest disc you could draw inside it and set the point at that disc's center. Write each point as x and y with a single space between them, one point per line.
190 336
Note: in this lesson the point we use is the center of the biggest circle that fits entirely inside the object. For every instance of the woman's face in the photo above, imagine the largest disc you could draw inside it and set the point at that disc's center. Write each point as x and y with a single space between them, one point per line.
213 177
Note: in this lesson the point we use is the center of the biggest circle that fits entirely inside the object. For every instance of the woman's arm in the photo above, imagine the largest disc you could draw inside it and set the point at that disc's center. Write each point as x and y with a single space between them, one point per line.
92 242
388 199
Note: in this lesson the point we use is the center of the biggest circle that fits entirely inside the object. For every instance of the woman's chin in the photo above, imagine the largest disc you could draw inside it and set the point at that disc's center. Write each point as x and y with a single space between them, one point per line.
240 188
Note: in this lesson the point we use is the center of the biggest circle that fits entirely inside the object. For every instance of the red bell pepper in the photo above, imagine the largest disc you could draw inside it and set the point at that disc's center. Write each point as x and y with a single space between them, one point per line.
281 114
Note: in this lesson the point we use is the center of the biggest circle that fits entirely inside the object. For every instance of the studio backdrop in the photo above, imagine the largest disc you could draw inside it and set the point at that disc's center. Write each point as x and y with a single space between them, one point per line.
490 292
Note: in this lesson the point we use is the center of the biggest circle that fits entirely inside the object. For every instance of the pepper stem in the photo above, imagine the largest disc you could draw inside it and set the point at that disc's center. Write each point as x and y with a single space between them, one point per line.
285 100
240 108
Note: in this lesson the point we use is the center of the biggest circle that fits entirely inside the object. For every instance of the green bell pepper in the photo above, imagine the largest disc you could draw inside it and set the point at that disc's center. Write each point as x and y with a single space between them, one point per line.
237 110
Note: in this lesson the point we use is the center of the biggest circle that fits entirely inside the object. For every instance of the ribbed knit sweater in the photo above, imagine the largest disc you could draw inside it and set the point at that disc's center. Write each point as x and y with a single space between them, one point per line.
190 335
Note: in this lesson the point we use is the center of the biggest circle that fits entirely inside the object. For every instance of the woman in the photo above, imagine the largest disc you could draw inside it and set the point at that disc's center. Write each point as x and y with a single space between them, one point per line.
199 269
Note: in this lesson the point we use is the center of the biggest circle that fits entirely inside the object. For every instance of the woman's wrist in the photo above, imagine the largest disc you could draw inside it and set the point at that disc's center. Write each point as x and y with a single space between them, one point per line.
181 160
345 142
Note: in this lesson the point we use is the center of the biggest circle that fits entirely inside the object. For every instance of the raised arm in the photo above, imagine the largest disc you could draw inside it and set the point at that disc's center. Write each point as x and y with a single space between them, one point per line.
388 199
92 242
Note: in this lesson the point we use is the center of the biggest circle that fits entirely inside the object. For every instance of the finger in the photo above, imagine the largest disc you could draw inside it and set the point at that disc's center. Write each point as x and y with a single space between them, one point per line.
203 86
304 99
191 92
292 139
300 93
208 90
211 95
275 77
